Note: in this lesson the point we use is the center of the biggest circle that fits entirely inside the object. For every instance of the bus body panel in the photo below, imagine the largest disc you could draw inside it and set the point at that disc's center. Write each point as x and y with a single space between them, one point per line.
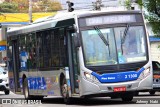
41 83
90 87
48 82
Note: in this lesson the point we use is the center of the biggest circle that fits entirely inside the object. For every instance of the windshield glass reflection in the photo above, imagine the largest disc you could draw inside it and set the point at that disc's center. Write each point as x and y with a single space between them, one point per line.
96 51
119 49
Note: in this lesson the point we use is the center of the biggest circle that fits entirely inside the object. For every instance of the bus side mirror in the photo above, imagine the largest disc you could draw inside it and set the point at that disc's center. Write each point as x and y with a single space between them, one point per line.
76 40
72 28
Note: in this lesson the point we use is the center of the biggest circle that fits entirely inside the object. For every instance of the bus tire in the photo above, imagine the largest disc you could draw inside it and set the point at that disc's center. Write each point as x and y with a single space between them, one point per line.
26 90
152 92
64 91
136 93
127 97
38 97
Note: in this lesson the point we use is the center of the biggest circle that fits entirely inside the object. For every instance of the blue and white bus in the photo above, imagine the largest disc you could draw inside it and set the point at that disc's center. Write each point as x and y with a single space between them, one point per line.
85 54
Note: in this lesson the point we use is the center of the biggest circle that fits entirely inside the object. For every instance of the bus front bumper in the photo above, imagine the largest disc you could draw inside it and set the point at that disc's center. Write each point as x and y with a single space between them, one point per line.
88 87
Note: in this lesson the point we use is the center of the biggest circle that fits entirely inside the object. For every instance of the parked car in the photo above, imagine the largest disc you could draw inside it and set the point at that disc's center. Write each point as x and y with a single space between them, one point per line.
4 82
156 77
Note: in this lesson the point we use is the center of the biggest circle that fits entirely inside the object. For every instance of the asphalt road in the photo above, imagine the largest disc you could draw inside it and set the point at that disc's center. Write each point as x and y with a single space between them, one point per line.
144 99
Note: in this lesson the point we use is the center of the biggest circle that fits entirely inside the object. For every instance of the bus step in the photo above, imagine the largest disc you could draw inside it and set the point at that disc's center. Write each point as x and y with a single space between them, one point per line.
75 95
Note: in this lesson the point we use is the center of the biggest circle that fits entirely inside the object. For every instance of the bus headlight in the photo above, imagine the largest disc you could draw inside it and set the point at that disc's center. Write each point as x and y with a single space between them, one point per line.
87 75
90 77
145 73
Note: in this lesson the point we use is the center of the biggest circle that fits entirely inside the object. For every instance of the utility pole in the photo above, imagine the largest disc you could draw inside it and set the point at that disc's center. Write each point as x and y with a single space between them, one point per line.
30 11
97 5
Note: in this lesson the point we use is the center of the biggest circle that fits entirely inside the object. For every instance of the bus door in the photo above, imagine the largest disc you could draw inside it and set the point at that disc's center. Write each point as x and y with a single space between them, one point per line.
73 62
16 63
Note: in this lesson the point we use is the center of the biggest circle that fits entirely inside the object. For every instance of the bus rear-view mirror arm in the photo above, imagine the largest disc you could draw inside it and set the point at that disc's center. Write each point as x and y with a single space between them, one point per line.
76 40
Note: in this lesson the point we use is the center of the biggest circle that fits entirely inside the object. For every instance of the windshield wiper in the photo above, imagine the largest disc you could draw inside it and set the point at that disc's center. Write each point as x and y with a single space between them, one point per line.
124 36
106 42
101 36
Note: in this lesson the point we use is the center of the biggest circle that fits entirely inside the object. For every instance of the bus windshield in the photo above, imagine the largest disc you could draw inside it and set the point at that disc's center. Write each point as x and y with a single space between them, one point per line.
122 48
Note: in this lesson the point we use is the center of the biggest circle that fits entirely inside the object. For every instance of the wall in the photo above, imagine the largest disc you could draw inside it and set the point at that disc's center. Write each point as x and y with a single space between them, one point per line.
155 51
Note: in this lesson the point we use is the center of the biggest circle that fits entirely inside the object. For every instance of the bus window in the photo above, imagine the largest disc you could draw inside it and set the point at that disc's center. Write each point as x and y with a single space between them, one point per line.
156 65
44 49
132 45
51 48
31 51
96 52
23 53
55 47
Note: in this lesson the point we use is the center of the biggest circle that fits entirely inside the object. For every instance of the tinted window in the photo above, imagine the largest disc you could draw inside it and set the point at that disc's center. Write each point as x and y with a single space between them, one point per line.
51 45
156 65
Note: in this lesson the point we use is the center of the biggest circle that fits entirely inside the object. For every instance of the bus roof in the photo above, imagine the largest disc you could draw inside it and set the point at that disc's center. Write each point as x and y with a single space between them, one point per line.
51 21
63 15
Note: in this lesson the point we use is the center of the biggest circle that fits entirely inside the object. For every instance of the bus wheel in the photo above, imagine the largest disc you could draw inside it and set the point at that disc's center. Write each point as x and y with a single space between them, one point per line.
127 97
152 92
136 93
64 91
25 89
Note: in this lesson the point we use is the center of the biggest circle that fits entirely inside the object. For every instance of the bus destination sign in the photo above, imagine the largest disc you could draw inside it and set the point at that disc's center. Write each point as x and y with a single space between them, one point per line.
110 19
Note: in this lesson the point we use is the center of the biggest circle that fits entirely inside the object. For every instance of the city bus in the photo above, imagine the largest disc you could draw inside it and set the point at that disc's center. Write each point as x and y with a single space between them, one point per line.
81 54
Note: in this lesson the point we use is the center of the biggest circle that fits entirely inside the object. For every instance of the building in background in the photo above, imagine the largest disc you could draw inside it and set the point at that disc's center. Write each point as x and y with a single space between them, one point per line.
2 45
155 48
14 20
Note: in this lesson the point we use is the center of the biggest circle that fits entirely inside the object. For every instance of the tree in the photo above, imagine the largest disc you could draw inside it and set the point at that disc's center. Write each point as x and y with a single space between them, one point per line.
46 6
22 5
153 12
127 4
37 6
153 16
6 7
55 6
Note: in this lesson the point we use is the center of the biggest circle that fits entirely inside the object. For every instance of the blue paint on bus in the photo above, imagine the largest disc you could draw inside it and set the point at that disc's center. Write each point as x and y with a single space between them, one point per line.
37 83
119 76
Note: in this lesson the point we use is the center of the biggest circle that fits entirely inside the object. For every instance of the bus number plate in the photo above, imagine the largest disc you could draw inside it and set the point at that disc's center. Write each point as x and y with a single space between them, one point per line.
118 89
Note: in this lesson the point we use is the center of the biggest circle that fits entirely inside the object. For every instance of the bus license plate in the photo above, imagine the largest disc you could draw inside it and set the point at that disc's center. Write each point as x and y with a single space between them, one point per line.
118 89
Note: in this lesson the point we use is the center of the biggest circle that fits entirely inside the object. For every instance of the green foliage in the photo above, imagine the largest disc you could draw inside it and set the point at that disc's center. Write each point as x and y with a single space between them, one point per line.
140 3
21 6
8 7
127 4
153 12
153 16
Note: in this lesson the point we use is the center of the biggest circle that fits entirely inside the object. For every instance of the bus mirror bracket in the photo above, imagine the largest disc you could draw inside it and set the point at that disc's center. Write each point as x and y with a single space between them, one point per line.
76 40
73 28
